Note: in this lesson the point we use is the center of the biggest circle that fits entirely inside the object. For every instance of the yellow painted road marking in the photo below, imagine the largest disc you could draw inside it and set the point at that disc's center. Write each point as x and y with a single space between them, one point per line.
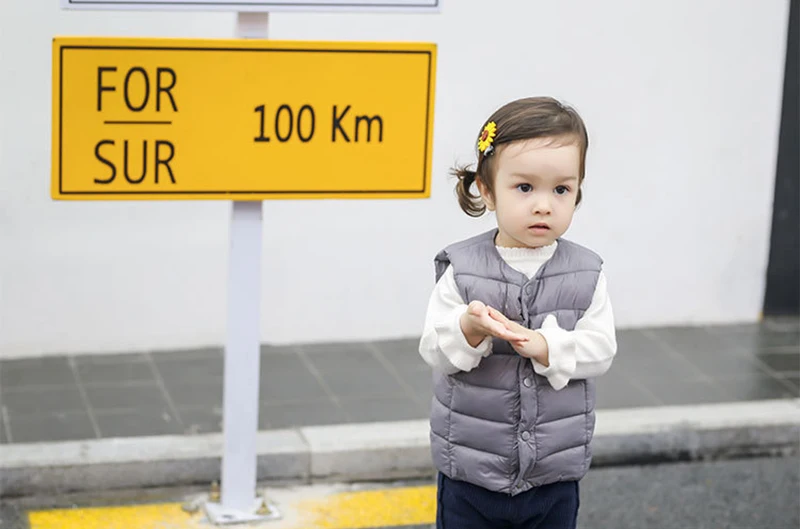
160 516
326 510
376 508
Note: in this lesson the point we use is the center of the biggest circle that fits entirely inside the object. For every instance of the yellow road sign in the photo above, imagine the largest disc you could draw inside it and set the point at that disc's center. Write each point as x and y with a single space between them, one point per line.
191 119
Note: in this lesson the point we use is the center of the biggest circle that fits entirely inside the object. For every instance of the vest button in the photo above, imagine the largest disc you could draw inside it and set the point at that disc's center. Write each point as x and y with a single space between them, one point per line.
526 436
527 381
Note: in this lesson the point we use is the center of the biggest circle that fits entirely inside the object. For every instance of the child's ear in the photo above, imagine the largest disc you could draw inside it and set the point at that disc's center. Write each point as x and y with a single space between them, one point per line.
485 195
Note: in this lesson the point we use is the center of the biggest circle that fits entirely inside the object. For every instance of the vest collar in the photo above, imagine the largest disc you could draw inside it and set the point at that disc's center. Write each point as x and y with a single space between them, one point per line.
511 273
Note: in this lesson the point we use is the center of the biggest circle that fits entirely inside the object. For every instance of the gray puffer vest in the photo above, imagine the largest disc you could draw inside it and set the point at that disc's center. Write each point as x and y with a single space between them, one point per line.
502 426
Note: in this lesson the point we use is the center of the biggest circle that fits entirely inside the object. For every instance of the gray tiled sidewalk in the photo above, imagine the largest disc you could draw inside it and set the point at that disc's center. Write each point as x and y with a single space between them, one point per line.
180 392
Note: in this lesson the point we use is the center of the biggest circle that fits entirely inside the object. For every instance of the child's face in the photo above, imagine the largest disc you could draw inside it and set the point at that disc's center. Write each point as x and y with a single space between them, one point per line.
535 190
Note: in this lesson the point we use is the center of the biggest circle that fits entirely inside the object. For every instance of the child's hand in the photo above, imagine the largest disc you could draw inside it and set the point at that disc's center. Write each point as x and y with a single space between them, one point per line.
477 324
534 347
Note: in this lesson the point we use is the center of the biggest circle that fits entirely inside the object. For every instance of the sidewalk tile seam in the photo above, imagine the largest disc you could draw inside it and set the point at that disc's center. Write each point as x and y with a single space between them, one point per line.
84 397
322 382
314 349
135 357
666 347
393 371
57 387
6 423
162 387
271 403
772 378
648 375
113 412
760 364
638 385
781 349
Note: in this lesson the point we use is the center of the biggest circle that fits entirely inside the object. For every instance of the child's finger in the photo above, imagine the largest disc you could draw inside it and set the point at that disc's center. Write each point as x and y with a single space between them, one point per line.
511 336
490 326
498 329
476 308
499 316
495 326
517 339
518 347
516 334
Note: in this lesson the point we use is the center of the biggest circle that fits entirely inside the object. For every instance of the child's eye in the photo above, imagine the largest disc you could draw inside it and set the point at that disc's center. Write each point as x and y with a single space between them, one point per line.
525 188
562 190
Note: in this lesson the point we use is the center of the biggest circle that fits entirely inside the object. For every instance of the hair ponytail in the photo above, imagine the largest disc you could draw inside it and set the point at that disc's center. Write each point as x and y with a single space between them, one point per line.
470 203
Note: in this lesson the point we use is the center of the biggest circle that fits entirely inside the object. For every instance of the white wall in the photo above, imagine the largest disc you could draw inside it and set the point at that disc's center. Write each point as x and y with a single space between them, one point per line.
682 101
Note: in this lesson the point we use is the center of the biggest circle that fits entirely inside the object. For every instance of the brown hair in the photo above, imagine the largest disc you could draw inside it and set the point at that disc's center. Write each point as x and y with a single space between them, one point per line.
523 119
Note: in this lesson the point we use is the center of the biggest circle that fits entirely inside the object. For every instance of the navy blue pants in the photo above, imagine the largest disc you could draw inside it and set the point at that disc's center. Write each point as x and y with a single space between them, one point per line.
462 505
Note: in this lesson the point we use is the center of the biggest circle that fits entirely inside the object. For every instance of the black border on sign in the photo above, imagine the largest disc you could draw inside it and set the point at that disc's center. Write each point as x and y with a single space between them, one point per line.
421 190
260 4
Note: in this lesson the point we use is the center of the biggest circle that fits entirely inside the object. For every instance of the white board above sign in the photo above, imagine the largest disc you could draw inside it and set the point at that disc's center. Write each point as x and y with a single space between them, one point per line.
410 6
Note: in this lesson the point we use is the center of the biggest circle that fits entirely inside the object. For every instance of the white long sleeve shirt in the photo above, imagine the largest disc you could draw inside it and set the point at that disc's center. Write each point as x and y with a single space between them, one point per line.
585 352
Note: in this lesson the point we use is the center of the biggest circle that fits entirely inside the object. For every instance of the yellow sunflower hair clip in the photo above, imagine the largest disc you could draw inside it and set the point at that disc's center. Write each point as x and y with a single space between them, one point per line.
487 137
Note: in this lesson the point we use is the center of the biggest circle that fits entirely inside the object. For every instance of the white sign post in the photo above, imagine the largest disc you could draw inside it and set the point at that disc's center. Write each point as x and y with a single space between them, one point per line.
239 502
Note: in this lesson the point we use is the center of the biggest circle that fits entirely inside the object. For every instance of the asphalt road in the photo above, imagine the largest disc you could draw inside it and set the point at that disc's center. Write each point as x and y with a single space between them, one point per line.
751 494
740 494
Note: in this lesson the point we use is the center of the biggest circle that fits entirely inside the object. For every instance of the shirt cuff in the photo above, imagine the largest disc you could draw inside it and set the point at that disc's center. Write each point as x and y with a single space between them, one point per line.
562 349
454 345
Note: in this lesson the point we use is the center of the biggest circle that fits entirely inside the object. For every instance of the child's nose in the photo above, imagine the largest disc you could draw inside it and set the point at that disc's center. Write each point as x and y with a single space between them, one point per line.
542 206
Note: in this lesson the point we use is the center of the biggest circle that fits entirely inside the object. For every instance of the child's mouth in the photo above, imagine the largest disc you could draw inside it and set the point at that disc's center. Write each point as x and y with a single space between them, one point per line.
539 227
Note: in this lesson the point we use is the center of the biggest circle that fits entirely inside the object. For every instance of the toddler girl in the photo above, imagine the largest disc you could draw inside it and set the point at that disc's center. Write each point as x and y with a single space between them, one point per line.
517 327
